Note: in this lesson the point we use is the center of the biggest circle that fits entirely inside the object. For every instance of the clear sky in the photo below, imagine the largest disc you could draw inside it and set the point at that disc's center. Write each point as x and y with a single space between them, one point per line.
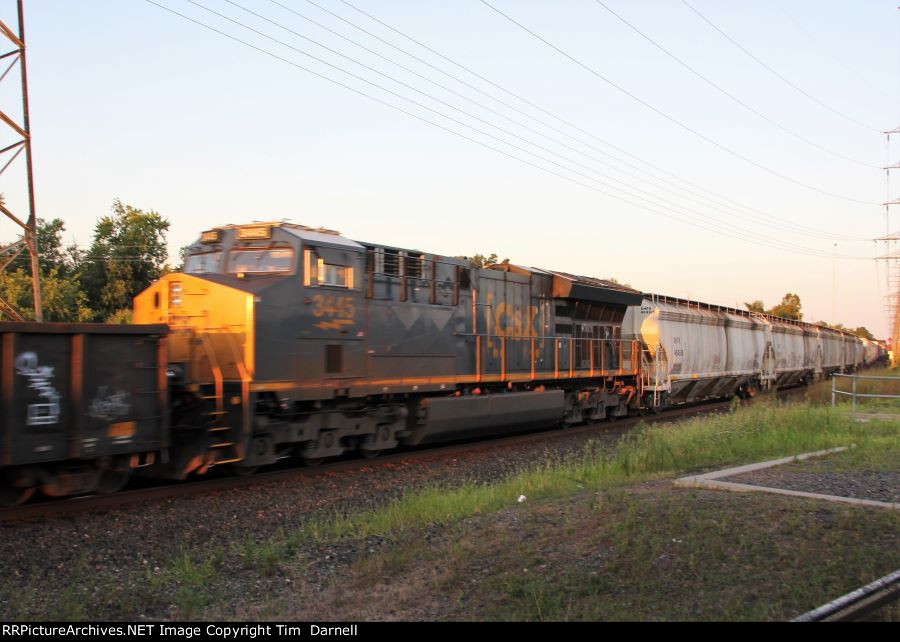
130 101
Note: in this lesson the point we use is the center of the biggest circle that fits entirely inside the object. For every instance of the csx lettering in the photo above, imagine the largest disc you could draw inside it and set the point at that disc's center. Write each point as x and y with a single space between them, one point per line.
511 321
333 307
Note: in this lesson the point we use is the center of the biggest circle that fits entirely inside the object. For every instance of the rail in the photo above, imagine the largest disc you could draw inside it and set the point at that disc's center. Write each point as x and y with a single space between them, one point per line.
858 603
853 393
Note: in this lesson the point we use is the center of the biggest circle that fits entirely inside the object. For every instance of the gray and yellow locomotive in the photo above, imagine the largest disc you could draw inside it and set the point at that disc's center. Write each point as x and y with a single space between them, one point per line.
287 340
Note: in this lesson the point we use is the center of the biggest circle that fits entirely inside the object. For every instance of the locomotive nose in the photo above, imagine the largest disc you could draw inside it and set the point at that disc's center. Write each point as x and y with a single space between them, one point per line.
197 308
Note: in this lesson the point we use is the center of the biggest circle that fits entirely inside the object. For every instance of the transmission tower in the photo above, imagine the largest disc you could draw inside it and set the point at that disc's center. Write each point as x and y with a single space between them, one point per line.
891 256
21 146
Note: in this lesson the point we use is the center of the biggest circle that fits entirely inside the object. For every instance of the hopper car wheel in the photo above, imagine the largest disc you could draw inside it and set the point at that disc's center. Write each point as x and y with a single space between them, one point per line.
312 462
11 496
370 454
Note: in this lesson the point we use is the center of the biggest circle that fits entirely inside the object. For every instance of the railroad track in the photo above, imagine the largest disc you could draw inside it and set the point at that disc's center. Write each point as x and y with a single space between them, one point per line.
89 503
857 604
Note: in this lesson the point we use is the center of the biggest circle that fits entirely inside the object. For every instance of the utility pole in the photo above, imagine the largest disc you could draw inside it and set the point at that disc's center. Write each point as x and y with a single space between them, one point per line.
22 132
834 284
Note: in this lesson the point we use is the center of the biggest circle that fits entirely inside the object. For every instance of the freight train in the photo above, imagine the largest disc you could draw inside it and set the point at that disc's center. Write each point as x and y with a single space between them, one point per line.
279 340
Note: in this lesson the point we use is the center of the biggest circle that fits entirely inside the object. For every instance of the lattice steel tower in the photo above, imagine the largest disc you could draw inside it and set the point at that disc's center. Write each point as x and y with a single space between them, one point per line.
891 256
21 146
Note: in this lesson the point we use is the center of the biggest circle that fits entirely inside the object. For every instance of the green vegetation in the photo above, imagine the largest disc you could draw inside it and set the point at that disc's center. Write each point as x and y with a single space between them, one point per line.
128 253
673 555
789 308
603 537
747 434
821 392
187 582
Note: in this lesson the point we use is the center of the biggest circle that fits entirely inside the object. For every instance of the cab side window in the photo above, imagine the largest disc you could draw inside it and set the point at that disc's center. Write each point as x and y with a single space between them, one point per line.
320 269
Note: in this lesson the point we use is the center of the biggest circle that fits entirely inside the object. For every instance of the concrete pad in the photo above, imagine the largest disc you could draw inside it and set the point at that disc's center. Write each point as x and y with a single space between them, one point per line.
710 481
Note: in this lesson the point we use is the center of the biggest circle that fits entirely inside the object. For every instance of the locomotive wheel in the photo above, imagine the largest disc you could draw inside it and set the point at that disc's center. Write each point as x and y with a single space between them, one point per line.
370 454
11 496
243 471
112 481
312 462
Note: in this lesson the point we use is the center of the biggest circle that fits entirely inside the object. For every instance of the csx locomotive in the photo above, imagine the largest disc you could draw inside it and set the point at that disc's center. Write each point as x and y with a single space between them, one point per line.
280 340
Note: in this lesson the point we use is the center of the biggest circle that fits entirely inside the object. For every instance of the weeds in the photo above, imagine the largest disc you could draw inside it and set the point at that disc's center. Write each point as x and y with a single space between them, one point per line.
746 434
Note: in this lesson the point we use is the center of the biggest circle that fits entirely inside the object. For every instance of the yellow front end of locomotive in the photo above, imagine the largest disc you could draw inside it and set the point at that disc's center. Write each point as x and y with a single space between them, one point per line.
212 326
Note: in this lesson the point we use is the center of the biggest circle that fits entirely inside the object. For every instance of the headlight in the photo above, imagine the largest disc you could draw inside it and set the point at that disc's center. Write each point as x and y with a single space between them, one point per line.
175 294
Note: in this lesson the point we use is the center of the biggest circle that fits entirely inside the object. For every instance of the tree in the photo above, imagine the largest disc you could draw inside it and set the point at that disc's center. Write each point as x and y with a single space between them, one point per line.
863 331
756 306
50 248
789 308
63 300
127 254
480 260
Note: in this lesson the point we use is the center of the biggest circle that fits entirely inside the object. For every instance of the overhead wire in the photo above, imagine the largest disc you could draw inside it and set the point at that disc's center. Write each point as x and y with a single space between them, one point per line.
507 132
731 96
810 231
692 219
772 243
669 117
777 74
809 36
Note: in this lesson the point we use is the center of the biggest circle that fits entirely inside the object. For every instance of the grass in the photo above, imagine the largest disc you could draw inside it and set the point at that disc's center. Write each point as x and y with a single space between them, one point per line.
187 581
746 434
682 556
821 391
587 543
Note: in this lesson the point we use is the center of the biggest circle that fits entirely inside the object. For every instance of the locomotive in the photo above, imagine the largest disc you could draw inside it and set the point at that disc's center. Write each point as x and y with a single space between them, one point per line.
280 340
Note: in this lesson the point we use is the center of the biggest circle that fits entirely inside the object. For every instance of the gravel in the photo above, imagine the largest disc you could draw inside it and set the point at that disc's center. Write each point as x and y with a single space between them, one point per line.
126 546
818 476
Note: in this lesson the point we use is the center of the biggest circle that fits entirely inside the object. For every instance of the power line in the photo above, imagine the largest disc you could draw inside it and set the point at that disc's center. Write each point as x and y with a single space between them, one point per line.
773 243
827 51
684 211
731 96
672 119
776 74
702 218
797 227
481 105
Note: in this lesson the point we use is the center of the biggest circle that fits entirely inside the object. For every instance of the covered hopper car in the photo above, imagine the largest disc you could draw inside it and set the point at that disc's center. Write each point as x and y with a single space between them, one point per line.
695 350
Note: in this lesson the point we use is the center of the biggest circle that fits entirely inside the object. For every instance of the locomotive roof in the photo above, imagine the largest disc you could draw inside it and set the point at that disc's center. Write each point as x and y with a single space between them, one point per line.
322 237
597 283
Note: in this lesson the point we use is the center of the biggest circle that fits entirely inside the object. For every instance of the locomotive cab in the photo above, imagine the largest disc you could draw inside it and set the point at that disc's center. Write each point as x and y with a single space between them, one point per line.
257 308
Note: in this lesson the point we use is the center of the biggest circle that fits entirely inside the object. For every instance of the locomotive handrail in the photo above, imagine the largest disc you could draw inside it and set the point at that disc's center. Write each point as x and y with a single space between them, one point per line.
619 354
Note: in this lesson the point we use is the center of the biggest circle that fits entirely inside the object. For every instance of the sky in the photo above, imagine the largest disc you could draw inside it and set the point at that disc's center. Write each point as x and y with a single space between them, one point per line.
719 150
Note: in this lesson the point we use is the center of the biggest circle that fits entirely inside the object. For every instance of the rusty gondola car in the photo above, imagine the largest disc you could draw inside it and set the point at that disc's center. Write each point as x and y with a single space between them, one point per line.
81 406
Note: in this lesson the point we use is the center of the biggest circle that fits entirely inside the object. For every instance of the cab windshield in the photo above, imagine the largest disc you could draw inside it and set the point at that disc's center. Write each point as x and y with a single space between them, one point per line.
206 263
261 261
